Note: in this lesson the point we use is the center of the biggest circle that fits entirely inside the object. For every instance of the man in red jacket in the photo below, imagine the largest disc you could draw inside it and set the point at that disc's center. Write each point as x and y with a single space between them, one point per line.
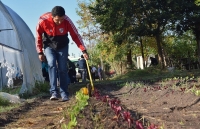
52 36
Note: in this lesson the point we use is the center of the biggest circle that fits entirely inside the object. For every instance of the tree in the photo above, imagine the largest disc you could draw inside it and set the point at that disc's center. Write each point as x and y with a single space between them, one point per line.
90 29
179 47
134 18
188 19
115 16
87 24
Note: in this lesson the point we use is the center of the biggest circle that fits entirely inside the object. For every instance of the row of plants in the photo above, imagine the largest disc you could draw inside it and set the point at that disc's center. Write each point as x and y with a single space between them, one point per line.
122 113
115 104
182 84
74 110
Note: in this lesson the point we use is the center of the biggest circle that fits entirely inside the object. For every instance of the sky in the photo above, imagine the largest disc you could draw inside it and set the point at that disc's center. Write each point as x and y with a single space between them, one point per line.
31 10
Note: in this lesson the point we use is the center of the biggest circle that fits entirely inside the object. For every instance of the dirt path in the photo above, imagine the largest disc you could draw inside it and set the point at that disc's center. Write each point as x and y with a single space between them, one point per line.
38 113
41 113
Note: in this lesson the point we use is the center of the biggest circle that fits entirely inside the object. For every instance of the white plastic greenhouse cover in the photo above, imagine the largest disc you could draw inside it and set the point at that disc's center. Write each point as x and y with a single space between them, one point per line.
18 56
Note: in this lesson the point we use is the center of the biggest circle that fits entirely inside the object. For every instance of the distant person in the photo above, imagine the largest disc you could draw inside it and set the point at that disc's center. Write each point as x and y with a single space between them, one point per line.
82 68
93 72
99 70
90 68
52 35
72 71
45 70
154 61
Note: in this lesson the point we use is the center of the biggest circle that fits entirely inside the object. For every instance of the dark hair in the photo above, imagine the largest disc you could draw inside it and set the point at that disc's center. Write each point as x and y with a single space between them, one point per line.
82 56
58 11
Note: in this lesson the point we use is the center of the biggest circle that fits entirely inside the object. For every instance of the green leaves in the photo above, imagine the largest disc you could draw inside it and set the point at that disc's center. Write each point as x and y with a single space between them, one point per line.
197 92
197 2
81 102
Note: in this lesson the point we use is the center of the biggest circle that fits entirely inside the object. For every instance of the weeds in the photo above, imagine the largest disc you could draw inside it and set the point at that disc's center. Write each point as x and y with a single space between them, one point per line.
40 88
11 90
5 105
4 102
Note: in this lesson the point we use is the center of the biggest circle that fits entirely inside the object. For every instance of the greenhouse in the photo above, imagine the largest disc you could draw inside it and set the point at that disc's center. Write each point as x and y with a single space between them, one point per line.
18 57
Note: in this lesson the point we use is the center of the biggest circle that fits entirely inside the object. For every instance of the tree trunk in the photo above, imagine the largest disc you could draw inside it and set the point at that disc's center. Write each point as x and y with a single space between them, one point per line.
142 51
121 67
129 59
160 53
102 66
197 33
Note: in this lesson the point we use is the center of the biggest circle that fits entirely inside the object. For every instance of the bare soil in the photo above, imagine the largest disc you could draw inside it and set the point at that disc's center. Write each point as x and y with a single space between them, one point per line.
166 106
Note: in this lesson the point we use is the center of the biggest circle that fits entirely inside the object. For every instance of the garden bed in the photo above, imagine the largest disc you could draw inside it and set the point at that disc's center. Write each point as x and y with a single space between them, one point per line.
173 103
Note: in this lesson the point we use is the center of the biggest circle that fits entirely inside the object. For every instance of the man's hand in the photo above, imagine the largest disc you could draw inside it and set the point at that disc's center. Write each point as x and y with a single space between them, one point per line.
42 57
85 55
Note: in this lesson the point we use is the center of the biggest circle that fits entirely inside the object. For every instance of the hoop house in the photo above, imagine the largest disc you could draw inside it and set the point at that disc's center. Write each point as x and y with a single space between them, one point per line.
18 56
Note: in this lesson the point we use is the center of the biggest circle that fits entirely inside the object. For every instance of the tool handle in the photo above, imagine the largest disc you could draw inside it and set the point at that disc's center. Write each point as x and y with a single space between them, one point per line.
91 81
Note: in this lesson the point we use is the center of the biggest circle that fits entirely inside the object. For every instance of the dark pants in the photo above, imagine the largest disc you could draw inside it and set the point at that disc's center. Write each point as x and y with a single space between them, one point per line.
93 76
83 74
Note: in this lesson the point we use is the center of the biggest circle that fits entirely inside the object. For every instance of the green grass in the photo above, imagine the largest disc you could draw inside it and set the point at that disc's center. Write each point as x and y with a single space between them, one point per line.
137 78
11 90
41 87
5 105
39 90
154 74
8 108
4 102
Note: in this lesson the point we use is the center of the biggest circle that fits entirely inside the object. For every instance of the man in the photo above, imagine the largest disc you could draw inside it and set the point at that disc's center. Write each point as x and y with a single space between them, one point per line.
72 71
45 70
99 70
154 61
82 68
52 35
93 72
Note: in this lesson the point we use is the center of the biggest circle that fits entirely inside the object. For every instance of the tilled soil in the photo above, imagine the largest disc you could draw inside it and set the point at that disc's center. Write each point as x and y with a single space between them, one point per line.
166 107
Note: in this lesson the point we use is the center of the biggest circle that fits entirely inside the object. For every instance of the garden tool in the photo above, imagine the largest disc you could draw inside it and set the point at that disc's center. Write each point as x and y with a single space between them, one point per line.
90 86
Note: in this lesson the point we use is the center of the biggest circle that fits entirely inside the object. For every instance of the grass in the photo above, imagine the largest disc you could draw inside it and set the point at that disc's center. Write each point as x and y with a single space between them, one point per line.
11 90
4 102
8 108
5 105
154 74
139 78
39 90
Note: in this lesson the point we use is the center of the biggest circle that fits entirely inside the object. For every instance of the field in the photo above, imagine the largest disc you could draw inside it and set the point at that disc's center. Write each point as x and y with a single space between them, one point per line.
137 102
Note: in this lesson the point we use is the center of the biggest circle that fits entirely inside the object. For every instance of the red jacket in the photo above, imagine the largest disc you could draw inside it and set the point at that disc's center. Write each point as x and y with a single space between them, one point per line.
55 36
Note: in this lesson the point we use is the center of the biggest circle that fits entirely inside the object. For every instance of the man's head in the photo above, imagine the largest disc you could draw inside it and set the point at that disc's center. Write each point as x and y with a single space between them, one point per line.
58 14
